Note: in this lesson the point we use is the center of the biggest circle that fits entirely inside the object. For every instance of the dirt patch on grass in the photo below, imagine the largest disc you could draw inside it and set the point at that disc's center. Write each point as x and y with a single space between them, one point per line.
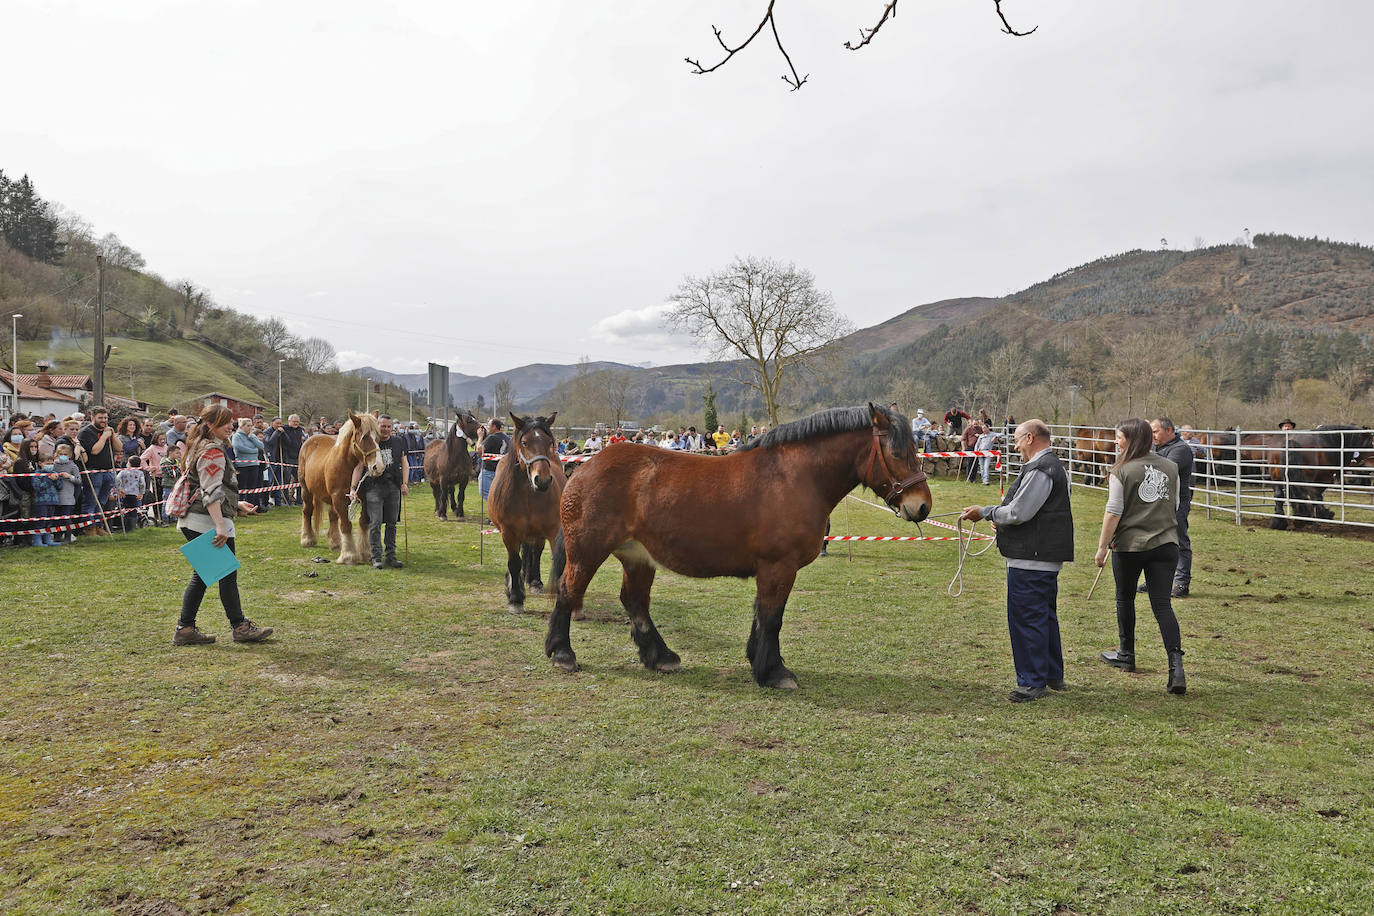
292 679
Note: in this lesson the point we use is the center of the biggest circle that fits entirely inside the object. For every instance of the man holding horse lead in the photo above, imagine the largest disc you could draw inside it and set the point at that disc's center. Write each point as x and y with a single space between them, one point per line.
1035 533
382 494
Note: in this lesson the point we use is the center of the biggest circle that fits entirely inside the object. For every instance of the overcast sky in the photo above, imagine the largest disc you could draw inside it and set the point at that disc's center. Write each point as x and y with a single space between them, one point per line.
494 184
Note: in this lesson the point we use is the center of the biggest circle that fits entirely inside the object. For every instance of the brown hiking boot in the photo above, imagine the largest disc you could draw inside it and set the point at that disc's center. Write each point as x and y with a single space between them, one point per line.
191 636
248 631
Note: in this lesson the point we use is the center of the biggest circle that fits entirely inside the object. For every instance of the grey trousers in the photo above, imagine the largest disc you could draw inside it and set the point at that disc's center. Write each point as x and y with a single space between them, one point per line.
383 508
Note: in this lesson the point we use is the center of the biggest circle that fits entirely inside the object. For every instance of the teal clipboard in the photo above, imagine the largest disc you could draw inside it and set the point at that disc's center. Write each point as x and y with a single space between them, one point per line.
211 563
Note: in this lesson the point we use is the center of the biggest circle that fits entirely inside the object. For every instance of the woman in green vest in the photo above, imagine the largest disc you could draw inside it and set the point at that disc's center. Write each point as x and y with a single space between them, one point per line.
1141 525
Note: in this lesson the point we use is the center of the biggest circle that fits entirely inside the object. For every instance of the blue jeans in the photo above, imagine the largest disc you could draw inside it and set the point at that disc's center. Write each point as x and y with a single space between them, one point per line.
1033 619
987 466
924 438
485 481
97 482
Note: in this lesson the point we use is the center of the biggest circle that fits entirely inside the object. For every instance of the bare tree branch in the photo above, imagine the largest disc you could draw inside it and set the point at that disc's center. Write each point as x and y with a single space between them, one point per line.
796 81
889 12
1006 26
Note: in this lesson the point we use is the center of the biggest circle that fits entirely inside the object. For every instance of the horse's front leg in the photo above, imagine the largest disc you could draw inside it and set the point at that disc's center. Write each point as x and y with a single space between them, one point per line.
462 495
440 500
515 579
774 585
531 556
1280 520
341 533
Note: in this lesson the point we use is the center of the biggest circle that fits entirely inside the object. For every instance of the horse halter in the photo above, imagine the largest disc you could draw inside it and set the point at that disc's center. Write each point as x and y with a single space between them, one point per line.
528 463
892 487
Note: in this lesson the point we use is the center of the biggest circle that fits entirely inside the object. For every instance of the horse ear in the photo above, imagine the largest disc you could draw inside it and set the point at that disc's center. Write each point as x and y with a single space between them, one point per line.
880 418
518 420
548 421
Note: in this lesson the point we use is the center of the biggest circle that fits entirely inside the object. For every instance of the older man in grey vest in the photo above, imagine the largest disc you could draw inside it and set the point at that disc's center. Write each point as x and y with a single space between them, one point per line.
1035 534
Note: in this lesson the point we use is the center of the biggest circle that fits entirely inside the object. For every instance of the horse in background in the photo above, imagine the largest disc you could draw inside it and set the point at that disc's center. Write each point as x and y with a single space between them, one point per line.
760 511
448 465
1300 465
326 470
1094 453
523 503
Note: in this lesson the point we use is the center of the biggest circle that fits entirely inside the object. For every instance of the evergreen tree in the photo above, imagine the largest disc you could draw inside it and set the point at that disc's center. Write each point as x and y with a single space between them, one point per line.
27 223
710 398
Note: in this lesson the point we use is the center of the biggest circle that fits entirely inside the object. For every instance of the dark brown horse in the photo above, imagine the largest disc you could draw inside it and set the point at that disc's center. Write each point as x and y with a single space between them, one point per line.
523 503
759 512
448 465
1301 465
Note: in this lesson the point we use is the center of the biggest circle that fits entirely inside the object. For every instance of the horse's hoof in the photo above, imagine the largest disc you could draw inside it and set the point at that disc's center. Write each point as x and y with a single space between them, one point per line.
783 683
514 608
1278 524
535 588
579 614
673 668
564 660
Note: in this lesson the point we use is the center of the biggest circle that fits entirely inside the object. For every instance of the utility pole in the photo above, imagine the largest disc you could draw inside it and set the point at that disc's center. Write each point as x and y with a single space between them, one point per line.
279 362
98 377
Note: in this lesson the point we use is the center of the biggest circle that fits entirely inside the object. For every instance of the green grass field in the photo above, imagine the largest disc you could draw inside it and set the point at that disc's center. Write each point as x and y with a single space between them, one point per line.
164 372
403 746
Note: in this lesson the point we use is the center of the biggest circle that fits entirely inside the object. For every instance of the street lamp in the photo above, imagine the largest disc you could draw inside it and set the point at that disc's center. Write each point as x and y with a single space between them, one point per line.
279 410
16 316
367 397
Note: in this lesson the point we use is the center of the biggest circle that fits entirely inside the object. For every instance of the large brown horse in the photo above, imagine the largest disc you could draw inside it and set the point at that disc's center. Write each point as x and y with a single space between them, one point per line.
759 512
448 465
523 503
326 470
1301 465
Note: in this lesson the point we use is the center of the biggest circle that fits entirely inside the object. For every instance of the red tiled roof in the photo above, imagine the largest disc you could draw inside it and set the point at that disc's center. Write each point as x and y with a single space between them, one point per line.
28 390
58 381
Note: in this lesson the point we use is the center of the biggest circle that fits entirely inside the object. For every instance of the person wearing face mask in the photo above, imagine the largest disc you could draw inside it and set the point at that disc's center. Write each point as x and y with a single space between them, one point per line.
16 436
47 490
68 484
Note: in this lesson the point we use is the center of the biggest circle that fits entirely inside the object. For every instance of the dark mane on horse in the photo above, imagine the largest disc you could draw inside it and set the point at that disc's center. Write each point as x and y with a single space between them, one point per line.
837 420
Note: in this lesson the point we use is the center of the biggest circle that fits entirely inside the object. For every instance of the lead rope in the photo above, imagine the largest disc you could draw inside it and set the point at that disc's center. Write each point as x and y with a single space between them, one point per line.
956 585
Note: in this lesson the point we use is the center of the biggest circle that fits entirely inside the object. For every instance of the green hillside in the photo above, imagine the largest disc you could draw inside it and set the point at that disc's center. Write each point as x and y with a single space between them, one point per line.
162 372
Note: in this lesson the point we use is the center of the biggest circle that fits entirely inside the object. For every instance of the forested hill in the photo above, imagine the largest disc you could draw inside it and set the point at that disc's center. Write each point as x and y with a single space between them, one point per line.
48 274
1278 310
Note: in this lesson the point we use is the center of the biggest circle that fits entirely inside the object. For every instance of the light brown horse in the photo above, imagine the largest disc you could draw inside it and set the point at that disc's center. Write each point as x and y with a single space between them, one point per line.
448 465
760 511
326 469
1094 452
523 503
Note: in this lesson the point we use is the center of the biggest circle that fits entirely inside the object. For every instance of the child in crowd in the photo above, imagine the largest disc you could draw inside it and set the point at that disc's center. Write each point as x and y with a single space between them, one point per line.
129 481
67 487
44 502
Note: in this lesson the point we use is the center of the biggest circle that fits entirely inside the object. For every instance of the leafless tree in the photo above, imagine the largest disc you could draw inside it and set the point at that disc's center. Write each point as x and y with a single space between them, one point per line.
316 354
767 312
792 78
616 385
117 254
503 397
276 337
1004 374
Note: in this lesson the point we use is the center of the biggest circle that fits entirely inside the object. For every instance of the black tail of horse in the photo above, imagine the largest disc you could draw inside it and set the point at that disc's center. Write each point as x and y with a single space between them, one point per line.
560 559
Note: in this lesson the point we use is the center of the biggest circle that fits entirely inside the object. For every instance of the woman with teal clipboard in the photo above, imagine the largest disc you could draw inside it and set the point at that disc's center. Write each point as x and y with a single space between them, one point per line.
213 507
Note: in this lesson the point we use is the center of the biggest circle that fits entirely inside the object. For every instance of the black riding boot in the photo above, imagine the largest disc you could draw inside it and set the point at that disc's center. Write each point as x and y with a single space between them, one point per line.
1177 684
1123 657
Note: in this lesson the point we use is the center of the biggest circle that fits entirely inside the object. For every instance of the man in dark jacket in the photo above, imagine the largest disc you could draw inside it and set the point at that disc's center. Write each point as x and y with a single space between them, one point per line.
288 441
496 443
1035 534
1168 444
